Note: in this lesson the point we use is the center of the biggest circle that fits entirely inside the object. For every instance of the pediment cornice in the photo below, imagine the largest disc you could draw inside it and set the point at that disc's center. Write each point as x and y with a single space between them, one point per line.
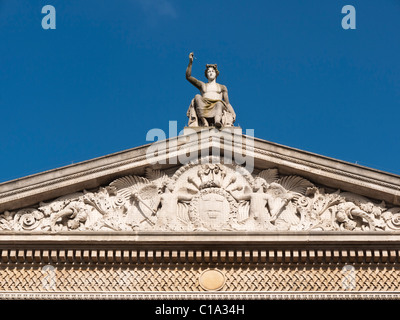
93 173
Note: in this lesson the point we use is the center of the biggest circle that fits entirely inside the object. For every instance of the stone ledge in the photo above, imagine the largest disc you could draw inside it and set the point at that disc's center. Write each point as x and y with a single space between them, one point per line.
209 238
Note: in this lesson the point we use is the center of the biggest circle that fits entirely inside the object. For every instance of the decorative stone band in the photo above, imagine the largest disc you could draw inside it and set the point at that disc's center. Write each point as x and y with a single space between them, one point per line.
203 257
200 266
240 281
200 296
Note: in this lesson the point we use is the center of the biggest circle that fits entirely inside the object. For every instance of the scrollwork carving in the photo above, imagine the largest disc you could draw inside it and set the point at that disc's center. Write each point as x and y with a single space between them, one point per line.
29 218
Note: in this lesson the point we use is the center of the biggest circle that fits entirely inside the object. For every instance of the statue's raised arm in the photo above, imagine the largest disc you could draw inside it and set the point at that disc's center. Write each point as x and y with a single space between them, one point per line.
197 83
211 107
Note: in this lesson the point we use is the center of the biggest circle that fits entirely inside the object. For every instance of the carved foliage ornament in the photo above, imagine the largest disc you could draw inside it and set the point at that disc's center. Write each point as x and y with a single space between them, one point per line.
206 195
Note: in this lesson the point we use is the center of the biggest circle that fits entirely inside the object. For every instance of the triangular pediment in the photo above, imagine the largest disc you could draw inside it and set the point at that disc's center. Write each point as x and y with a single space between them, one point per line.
204 180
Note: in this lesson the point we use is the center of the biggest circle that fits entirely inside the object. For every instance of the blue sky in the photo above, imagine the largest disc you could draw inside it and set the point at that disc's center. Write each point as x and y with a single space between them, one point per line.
113 70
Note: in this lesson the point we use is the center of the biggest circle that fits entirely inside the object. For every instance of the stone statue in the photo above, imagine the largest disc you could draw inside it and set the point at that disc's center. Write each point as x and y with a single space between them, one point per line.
211 107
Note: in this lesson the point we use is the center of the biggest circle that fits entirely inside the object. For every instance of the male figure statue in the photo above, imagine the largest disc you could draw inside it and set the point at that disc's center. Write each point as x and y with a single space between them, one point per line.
211 106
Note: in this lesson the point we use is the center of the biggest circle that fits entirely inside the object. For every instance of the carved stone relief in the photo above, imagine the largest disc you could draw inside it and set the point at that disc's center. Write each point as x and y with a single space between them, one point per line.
207 195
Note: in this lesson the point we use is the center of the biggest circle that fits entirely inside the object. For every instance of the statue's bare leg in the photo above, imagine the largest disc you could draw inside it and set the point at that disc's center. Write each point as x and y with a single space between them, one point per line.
218 114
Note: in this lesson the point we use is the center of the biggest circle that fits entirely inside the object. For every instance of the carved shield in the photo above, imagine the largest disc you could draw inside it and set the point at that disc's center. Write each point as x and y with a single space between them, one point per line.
213 209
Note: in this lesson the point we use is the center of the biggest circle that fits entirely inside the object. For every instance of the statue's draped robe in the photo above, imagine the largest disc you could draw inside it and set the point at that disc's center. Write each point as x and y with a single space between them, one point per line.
207 110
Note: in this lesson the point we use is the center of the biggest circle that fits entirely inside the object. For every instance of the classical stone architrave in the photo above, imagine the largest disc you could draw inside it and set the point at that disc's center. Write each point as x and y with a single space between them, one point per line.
316 247
167 265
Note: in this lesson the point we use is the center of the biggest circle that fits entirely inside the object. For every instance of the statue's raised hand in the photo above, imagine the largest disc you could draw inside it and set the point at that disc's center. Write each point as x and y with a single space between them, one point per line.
191 56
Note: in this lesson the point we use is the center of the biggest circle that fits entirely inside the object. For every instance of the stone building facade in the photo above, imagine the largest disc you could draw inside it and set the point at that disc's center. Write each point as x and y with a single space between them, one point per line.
138 225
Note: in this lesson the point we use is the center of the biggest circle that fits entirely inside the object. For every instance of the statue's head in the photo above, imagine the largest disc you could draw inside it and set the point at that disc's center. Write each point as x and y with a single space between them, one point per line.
211 71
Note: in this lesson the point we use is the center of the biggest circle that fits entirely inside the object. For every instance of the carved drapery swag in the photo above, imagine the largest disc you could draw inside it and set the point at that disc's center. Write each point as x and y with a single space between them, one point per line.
207 195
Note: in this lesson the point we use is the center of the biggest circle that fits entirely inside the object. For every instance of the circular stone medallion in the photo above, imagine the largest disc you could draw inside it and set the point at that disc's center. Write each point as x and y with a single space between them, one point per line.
212 279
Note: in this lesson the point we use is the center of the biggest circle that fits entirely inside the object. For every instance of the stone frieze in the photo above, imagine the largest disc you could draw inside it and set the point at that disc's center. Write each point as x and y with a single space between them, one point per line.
207 195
